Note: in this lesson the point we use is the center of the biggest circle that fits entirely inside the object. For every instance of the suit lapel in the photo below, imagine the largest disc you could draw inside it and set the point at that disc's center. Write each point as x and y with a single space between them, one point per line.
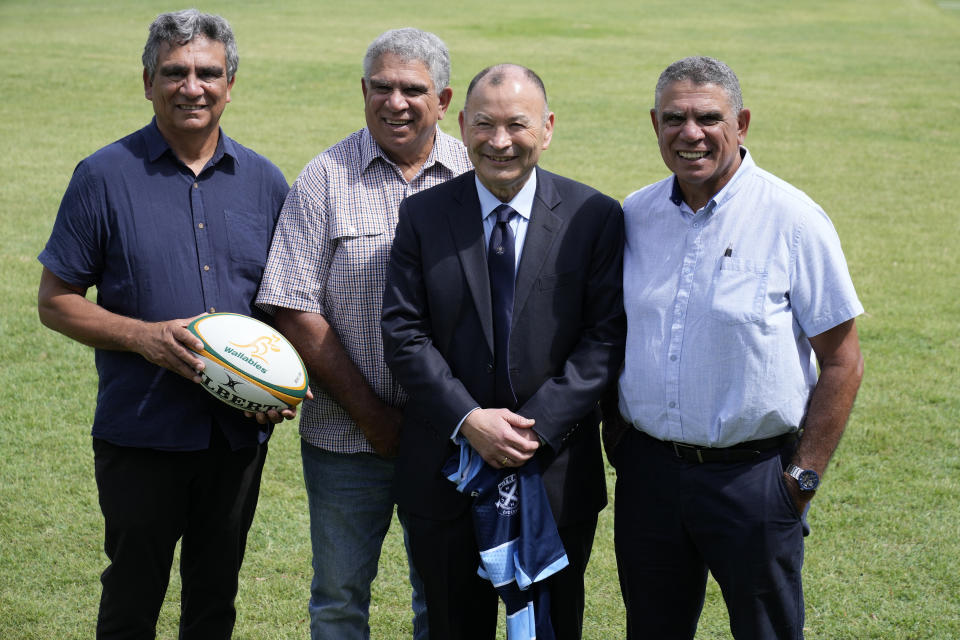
541 233
467 229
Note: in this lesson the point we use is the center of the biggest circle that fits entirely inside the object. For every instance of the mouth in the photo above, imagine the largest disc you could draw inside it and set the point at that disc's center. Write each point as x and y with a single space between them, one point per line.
191 107
393 122
693 155
499 159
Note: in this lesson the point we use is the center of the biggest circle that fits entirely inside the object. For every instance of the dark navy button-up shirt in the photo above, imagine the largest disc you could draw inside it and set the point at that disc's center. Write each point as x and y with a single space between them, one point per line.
160 243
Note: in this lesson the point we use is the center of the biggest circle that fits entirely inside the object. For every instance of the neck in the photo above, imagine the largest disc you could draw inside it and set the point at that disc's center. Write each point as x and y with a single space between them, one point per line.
410 166
194 150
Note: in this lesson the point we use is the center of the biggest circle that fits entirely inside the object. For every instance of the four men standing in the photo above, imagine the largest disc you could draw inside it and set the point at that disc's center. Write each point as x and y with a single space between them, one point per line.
502 318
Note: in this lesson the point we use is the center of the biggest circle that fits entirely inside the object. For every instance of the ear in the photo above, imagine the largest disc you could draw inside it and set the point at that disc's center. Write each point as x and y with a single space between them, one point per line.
656 123
230 86
147 85
743 123
463 133
445 96
548 130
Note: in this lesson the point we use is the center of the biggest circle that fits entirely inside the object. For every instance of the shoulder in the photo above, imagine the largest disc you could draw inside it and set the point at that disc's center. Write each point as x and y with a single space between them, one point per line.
458 189
642 198
131 150
344 158
562 193
451 153
795 211
777 189
251 161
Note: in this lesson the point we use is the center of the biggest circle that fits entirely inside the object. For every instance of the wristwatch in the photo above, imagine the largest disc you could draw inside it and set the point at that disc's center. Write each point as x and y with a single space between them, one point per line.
807 479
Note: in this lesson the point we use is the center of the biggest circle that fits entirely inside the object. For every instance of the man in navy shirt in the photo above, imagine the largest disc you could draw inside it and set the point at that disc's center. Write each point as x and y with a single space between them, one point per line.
171 222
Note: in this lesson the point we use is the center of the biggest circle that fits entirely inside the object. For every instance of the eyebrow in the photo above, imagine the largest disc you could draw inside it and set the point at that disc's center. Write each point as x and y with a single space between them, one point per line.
214 70
519 117
715 115
403 86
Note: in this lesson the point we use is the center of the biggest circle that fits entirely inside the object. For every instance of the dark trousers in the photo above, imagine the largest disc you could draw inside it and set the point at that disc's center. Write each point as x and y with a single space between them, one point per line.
676 520
151 499
463 606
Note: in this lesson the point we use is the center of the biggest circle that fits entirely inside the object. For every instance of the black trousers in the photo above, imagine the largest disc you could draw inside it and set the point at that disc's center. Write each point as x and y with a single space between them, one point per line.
463 606
151 499
676 520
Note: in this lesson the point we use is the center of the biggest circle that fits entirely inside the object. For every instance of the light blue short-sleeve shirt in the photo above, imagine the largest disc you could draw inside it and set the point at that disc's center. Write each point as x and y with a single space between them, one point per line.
720 304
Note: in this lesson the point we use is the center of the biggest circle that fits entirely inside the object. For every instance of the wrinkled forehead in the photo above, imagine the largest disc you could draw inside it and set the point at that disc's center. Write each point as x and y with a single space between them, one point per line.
685 94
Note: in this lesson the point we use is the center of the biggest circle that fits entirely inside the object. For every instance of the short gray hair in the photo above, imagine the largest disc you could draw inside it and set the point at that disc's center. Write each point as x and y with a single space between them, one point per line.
411 44
180 27
701 70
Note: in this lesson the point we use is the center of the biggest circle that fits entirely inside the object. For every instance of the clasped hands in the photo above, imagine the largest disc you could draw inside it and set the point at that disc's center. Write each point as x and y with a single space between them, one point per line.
501 437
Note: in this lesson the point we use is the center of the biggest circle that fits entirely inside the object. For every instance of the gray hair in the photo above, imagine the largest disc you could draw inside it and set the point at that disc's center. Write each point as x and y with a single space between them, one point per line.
411 44
497 75
180 27
701 70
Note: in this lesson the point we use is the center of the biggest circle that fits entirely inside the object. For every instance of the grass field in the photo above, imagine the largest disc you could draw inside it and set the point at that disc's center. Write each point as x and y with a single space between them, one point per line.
856 103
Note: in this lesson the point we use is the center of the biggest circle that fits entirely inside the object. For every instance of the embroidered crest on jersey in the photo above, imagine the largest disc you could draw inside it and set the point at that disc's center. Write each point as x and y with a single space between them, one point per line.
508 500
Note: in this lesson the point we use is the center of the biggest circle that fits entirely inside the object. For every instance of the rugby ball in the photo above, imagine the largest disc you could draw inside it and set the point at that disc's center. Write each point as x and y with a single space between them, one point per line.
248 364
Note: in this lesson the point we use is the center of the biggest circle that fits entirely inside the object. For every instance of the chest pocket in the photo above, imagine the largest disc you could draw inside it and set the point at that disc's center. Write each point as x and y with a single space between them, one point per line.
249 237
739 291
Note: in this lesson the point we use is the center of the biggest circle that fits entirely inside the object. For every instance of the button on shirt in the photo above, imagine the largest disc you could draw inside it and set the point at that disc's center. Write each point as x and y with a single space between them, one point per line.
720 303
160 243
330 254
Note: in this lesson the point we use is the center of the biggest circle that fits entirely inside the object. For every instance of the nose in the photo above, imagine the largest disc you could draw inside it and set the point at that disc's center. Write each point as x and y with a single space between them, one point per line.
190 86
500 138
691 130
396 101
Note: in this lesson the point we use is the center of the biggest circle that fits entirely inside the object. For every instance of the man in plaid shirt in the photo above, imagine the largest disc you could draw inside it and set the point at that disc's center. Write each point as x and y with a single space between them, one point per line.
324 282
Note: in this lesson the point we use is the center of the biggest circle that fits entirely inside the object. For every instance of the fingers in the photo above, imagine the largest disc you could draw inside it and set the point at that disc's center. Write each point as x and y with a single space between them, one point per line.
273 416
501 437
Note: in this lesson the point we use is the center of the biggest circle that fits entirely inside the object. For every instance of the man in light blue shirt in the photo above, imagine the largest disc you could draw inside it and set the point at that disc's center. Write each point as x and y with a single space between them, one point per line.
735 288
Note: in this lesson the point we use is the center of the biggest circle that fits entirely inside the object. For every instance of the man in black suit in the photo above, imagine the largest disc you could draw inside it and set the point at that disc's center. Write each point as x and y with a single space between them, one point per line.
559 330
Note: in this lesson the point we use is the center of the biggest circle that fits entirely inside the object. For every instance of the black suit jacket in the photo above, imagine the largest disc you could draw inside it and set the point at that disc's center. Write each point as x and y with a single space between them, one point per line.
566 340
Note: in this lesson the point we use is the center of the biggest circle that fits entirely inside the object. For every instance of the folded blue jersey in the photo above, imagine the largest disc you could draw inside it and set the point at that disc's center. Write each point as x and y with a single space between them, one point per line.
517 537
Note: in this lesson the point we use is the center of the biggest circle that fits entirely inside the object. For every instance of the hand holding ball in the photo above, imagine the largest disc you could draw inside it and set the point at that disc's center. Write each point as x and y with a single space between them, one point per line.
248 364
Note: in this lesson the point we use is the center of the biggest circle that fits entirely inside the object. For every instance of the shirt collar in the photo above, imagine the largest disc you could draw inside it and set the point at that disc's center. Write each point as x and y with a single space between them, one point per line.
746 167
522 203
442 152
157 145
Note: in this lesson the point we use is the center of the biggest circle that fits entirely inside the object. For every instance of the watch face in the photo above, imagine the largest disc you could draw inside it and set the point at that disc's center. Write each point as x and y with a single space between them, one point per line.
808 480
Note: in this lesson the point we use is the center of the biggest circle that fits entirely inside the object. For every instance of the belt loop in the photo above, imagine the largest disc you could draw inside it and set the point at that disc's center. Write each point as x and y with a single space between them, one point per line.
699 456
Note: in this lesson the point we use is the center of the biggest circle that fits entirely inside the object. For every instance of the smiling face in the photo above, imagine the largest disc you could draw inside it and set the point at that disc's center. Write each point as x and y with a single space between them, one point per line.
504 130
189 89
699 137
402 108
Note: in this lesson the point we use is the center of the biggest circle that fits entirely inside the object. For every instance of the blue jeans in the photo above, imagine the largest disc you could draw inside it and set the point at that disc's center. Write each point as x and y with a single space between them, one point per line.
350 512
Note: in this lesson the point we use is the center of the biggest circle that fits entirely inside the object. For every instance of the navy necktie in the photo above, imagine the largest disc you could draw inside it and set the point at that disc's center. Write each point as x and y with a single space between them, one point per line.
502 268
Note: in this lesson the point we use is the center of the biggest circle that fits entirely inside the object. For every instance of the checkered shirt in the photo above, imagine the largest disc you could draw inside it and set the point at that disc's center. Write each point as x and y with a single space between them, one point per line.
329 256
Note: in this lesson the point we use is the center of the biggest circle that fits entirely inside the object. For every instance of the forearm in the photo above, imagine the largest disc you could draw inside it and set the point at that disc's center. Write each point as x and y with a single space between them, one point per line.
328 362
832 398
64 309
